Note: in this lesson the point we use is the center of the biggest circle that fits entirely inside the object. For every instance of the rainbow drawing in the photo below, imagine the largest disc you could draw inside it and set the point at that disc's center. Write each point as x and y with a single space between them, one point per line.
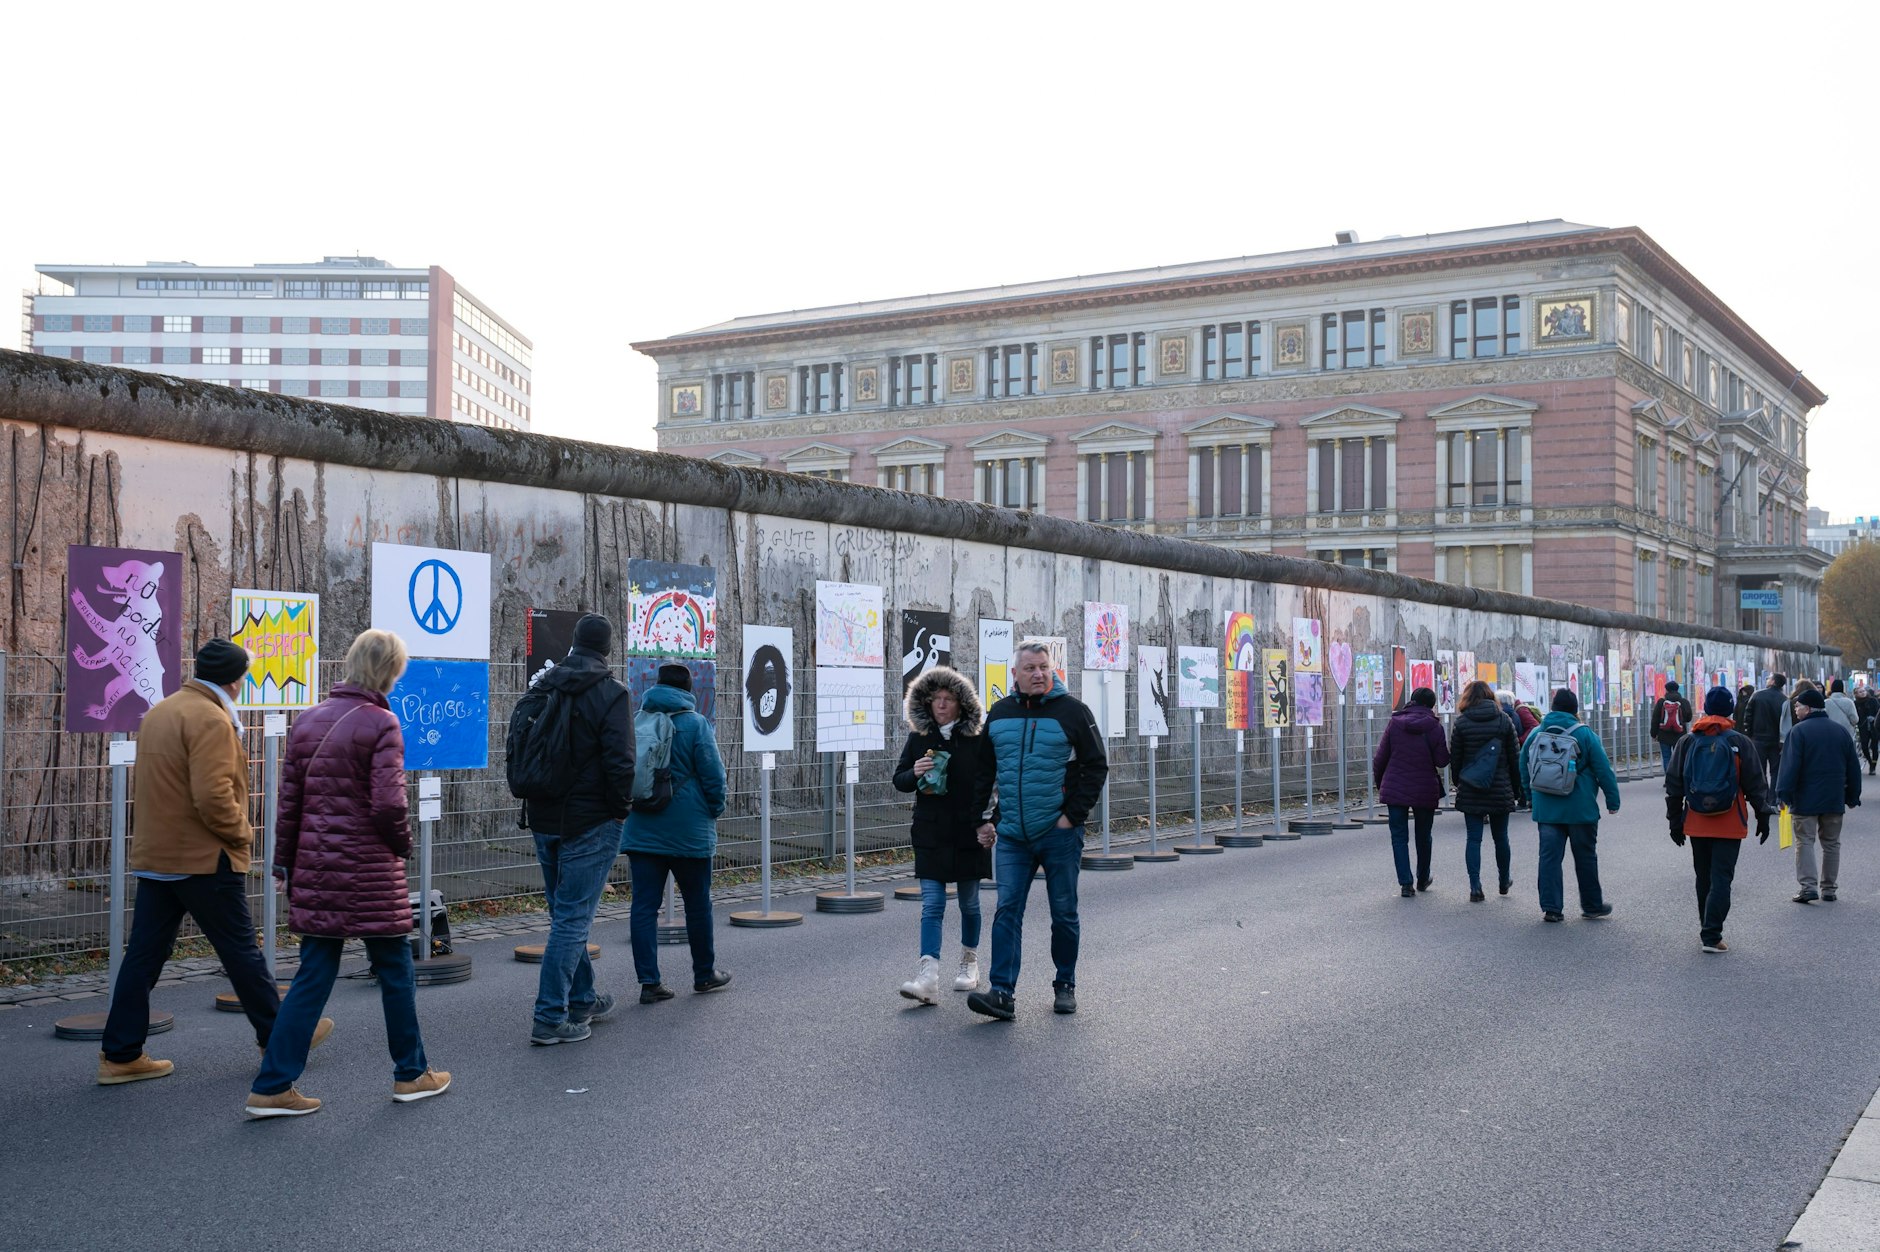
672 610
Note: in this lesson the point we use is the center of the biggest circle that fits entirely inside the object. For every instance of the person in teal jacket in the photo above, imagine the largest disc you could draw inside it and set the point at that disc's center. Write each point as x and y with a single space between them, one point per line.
679 839
1571 819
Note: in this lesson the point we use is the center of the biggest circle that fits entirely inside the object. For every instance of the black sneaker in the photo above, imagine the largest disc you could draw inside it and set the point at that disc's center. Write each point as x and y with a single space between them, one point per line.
1427 883
994 1003
1552 916
1827 894
561 1032
1807 895
1597 915
1064 999
1505 884
654 992
603 1006
1409 893
717 980
1476 896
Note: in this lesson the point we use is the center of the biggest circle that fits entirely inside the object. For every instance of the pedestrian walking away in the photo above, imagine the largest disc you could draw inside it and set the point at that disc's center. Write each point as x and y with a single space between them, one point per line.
1741 718
673 830
1671 721
1714 787
1867 707
1051 767
1566 769
948 765
1524 723
1842 711
1768 719
343 834
1484 765
1407 770
1820 781
190 859
571 763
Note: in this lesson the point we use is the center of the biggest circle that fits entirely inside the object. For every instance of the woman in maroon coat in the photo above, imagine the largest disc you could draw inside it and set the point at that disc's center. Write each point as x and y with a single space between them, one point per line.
341 843
1407 768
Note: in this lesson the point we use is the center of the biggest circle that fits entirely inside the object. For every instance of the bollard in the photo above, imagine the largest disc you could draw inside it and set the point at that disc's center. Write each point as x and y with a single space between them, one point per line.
765 918
849 900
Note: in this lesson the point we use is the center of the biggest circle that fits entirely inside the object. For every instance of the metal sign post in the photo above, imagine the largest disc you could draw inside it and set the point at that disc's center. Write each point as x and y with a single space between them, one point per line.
849 900
1279 817
1341 757
1239 838
1311 811
765 918
1155 855
1195 847
273 730
1370 779
451 967
1105 859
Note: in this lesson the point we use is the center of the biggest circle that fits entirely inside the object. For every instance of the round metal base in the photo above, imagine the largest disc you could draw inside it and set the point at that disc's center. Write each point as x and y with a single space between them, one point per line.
1347 825
843 902
1310 827
531 953
1157 858
441 971
756 920
1199 849
1239 841
229 1002
1280 836
89 1027
913 892
1107 860
671 934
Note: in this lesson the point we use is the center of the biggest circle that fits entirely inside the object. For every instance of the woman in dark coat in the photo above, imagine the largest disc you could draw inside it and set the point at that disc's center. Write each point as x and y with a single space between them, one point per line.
948 764
1484 737
1407 768
341 841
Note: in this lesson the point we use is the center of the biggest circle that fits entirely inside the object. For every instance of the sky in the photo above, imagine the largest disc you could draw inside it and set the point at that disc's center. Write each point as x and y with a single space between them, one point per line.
601 175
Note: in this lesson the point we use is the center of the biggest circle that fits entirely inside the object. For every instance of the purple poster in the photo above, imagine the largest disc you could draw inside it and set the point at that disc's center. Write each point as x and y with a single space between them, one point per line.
123 635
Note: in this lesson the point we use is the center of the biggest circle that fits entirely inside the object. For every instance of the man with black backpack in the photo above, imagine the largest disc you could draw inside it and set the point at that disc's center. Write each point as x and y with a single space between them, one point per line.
1566 770
570 762
1671 721
1712 785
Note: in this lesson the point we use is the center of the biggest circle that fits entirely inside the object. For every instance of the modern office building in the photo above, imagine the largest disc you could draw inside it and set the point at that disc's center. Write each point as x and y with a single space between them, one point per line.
1834 537
1549 408
353 330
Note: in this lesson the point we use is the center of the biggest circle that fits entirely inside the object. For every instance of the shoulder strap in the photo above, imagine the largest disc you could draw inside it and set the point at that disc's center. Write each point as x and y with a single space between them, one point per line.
330 729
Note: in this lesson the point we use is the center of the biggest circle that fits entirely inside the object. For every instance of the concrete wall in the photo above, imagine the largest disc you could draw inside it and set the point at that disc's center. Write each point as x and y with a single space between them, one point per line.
265 491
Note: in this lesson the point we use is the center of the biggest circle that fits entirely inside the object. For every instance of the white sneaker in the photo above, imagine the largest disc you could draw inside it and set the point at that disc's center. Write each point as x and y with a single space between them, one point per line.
968 977
924 986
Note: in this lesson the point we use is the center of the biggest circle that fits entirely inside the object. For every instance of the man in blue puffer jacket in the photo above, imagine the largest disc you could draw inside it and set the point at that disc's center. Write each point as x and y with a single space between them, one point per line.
1051 767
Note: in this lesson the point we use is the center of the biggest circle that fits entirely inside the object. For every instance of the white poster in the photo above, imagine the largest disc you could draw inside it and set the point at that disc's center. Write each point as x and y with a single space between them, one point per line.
1107 701
850 710
1106 636
436 599
995 661
1152 691
769 689
1198 683
848 625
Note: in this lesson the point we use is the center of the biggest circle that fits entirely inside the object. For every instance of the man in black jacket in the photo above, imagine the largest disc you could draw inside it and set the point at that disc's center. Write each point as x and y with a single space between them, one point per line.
1667 726
577 836
1768 724
1867 708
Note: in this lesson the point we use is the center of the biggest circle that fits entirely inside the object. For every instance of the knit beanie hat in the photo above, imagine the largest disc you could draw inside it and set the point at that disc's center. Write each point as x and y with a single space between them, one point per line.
221 662
1671 688
1812 698
672 675
594 633
1423 696
1566 702
1718 702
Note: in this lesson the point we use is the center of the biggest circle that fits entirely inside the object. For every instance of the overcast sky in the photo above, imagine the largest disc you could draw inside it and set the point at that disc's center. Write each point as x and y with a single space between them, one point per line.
642 170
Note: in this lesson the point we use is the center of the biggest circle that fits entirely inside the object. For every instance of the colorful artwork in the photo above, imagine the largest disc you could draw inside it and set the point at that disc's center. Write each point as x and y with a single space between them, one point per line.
777 392
281 632
1488 672
926 642
1276 685
1416 334
1399 674
643 676
1063 366
1198 678
1628 700
1699 673
1586 683
1152 692
1240 662
688 401
960 376
1243 645
1339 652
1308 646
995 661
1309 699
867 384
1060 655
1445 681
1557 665
1573 682
1370 676
1530 683
851 713
1656 678
1107 701
1599 681
769 683
1106 636
672 610
124 635
443 708
1289 344
550 634
1465 671
1565 319
1422 674
1612 675
1173 354
848 626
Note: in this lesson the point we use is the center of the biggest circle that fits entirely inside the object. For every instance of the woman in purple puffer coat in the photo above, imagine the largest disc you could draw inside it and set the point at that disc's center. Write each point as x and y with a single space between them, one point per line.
341 842
1407 769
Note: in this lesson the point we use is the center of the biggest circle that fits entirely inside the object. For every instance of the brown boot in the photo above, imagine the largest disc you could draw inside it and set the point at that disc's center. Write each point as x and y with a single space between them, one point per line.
111 1073
288 1103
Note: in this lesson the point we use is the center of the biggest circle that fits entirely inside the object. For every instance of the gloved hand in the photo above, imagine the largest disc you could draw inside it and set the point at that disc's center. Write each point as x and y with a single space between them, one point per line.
1677 835
1762 828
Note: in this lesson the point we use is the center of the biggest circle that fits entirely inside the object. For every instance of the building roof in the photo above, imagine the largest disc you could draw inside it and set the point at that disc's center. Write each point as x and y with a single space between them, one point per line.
332 264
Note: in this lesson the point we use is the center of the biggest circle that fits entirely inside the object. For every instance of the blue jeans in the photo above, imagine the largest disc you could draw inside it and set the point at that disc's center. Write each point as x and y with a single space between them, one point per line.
1400 842
693 875
1714 860
574 873
1554 841
300 1011
1060 852
933 907
1664 755
1472 855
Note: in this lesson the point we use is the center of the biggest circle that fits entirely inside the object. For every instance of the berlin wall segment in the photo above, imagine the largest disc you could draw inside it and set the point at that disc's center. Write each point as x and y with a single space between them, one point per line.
272 491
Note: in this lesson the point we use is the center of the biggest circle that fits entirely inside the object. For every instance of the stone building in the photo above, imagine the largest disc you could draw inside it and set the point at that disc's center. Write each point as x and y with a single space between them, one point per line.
1549 408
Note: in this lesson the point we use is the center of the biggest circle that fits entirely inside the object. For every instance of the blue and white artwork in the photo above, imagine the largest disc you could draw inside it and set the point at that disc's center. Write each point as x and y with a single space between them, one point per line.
444 707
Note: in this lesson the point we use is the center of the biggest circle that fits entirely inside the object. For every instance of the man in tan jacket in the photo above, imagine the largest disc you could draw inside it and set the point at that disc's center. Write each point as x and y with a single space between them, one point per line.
190 857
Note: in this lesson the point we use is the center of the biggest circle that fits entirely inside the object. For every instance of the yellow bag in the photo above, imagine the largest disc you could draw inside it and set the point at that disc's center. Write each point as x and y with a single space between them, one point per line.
1785 829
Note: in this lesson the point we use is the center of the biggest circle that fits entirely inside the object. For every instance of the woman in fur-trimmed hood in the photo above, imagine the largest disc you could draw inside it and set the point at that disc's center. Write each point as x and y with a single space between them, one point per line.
948 765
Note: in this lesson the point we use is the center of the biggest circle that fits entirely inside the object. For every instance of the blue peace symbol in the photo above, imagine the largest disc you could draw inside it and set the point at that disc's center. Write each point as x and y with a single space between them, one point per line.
434 617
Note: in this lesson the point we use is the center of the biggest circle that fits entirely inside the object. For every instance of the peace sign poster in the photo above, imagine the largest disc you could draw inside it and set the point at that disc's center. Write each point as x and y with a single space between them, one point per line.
436 599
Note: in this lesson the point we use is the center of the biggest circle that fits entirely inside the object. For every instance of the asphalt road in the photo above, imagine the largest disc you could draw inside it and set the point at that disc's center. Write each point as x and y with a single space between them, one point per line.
1274 1051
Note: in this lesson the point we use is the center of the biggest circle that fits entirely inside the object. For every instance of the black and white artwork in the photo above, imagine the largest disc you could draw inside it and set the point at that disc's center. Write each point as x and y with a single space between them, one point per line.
1152 692
926 641
551 634
768 682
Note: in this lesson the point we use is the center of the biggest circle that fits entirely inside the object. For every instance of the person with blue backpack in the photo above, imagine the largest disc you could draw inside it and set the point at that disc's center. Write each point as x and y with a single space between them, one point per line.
1566 770
679 792
1713 784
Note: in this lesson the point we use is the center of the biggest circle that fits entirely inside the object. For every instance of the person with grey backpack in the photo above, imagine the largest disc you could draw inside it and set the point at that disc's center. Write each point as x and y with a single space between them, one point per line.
678 794
1566 770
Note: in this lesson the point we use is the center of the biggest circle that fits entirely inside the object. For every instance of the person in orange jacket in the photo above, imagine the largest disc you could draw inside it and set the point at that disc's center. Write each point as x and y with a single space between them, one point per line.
1713 785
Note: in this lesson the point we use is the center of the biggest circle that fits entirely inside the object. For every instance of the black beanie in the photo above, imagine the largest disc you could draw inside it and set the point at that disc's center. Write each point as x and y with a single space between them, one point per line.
221 662
673 675
594 633
1718 702
1671 687
1423 696
1812 699
1566 702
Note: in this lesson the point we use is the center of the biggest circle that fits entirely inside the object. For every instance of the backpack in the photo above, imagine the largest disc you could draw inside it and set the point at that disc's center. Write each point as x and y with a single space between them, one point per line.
1673 723
1480 772
1710 774
652 761
1553 761
540 762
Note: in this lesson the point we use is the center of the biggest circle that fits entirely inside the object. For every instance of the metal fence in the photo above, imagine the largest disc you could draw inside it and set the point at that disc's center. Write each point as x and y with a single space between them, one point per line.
55 808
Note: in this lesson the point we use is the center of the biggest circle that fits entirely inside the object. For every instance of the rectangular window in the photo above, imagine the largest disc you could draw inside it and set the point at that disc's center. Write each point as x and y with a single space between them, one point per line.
296 326
1011 370
216 382
1645 584
1228 480
255 326
821 388
56 323
328 356
219 356
340 289
1706 519
136 324
254 356
1485 326
380 289
414 325
178 325
1645 475
176 356
1006 484
375 325
373 389
1353 339
1119 360
263 286
921 479
371 356
1230 350
414 388
911 379
1674 489
137 356
293 386
1675 604
98 356
257 384
300 289
295 356
731 396
333 388
336 326
1706 596
217 325
1351 480
97 323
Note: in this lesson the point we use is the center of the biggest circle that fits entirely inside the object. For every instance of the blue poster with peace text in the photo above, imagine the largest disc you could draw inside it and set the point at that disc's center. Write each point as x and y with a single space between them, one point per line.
444 707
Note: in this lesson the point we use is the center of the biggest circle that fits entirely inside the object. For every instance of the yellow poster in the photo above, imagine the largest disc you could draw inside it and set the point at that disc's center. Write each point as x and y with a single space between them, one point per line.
281 632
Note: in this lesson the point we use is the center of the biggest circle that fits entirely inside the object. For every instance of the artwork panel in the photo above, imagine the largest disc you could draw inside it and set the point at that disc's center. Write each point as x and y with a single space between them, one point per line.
436 599
1557 664
1465 671
1152 691
926 642
1445 681
443 707
1368 669
281 632
1198 678
1422 674
1309 699
1276 685
1565 319
672 609
1242 648
769 689
643 676
550 635
1338 653
1063 366
1108 701
688 400
995 660
123 635
1308 645
1106 636
851 714
1399 675
848 625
